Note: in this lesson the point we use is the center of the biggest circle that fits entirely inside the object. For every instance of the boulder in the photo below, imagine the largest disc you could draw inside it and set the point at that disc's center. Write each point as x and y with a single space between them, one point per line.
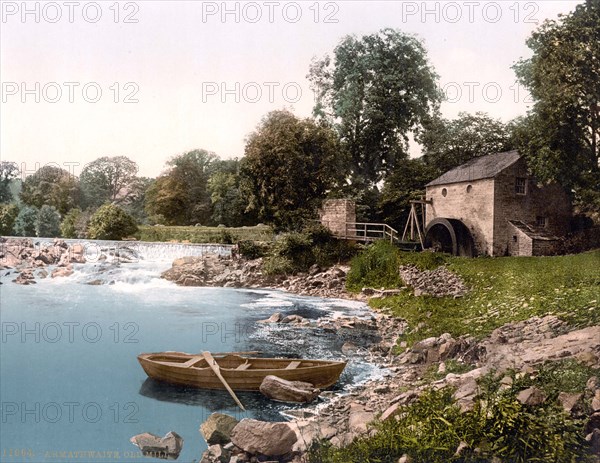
263 438
165 448
62 272
275 318
531 396
217 428
288 391
570 401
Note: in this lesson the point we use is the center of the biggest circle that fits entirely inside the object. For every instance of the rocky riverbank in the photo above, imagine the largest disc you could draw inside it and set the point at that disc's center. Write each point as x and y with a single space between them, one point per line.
516 347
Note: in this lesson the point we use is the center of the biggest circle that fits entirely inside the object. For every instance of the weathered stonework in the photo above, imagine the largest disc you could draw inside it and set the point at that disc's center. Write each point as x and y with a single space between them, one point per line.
336 213
490 205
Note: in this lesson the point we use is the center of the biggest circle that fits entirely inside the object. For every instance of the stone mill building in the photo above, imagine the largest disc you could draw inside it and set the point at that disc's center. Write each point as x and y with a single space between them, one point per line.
492 206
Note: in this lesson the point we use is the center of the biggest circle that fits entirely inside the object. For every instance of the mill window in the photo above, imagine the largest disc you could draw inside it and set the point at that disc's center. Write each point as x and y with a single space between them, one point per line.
520 185
541 222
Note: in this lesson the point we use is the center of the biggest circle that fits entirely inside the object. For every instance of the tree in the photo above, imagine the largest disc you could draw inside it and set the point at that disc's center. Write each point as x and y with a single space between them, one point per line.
229 203
290 165
108 179
26 221
110 222
165 201
52 186
135 202
561 134
377 89
68 227
48 222
450 143
406 182
8 215
8 172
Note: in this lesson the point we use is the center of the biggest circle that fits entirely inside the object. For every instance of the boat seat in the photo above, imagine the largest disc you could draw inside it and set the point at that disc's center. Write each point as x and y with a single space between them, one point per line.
293 365
243 366
191 361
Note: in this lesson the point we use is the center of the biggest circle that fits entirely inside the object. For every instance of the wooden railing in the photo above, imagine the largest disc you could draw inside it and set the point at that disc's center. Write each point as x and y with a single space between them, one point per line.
361 231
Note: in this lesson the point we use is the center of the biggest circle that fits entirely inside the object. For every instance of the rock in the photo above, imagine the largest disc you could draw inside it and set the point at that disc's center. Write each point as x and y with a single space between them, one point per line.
216 453
288 391
390 412
95 283
217 428
359 418
292 319
275 318
165 448
531 396
405 459
349 348
569 401
593 422
466 393
263 438
62 272
596 401
594 440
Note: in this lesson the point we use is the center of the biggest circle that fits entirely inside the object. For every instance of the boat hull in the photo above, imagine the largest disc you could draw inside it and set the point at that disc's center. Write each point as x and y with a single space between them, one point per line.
193 371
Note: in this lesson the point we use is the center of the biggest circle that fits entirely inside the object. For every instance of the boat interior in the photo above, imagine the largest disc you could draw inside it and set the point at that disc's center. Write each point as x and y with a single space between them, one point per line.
232 362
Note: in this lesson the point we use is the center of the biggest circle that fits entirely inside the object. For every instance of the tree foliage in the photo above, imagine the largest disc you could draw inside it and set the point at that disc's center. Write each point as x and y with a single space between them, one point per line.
26 221
8 172
561 134
108 179
110 222
290 165
8 215
228 201
51 186
68 226
450 143
48 222
376 89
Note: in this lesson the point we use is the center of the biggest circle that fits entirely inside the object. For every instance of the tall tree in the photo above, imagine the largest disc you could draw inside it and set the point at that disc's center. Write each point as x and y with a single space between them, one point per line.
229 204
52 186
108 180
290 165
8 172
450 143
561 134
377 90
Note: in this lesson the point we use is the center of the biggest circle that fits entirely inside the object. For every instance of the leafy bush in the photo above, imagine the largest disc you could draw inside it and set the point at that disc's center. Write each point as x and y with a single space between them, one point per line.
499 426
68 227
277 265
110 222
48 222
25 222
376 267
8 216
253 249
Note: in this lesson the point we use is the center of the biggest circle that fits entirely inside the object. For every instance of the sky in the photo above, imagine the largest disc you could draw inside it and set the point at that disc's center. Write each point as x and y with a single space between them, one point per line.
153 79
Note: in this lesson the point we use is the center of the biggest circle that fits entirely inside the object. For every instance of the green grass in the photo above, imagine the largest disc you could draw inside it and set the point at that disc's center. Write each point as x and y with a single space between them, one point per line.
503 290
205 234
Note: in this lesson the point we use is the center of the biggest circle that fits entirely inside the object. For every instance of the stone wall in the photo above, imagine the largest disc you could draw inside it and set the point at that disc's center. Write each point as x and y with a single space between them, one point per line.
335 213
470 202
520 244
550 201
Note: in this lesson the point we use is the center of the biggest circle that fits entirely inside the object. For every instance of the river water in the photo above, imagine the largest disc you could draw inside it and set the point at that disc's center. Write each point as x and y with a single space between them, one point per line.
71 388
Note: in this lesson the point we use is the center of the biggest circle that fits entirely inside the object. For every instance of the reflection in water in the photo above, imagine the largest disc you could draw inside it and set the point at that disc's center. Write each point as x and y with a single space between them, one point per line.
260 407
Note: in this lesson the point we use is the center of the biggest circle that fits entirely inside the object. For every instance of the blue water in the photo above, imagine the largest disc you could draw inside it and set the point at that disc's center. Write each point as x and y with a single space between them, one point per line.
70 380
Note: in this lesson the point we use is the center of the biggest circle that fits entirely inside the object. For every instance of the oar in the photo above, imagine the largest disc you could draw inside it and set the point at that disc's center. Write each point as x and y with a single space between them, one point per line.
215 367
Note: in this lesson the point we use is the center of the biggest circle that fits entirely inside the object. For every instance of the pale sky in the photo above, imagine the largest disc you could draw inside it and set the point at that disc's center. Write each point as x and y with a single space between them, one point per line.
183 64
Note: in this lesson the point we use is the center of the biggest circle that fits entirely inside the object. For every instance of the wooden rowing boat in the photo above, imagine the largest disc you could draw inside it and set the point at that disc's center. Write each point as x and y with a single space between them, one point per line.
241 373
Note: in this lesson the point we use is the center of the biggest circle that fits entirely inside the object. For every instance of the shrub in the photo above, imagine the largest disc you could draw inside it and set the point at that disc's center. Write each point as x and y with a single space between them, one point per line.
277 265
68 227
253 249
25 222
376 267
110 222
8 216
48 222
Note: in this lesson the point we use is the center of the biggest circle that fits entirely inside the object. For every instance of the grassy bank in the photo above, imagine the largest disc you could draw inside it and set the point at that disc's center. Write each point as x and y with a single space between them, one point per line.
205 234
503 290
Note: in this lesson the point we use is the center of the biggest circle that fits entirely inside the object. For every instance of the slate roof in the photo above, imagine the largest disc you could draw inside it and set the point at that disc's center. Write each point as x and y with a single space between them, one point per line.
478 168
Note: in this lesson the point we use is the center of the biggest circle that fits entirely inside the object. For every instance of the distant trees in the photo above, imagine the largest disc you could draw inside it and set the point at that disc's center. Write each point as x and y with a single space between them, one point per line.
25 223
107 180
450 143
290 164
8 172
48 222
229 203
51 186
110 222
180 195
8 215
561 134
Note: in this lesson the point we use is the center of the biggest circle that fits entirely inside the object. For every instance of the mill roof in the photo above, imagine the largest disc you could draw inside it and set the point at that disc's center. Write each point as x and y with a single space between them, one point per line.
478 168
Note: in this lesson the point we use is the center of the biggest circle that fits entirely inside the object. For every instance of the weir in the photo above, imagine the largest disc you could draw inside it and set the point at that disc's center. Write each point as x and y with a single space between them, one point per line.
144 250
